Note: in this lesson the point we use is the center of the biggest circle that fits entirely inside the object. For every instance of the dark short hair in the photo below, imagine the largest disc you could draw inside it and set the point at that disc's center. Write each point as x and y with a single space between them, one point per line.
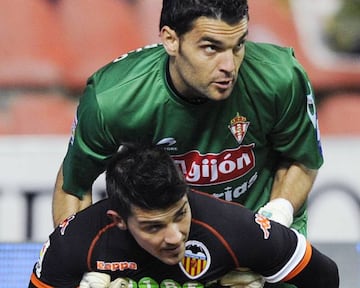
180 15
144 176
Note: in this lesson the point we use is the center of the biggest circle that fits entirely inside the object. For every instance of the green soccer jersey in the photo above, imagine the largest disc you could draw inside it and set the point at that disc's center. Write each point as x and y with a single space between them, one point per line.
229 148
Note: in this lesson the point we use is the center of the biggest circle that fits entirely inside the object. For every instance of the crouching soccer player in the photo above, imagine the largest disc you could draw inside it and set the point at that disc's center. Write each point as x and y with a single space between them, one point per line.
153 230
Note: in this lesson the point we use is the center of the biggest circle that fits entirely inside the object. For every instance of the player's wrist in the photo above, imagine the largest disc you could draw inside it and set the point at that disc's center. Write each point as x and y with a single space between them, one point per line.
279 210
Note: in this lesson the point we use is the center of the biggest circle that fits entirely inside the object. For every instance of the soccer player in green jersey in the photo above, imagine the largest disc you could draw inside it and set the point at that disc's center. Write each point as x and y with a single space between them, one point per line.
238 117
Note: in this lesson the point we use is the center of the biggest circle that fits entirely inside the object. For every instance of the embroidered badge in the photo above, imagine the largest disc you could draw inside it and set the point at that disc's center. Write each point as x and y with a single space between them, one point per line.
196 260
38 266
73 128
238 127
264 224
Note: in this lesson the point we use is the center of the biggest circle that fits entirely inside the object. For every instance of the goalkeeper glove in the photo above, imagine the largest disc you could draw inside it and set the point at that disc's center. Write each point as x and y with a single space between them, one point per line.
279 210
119 283
242 278
95 280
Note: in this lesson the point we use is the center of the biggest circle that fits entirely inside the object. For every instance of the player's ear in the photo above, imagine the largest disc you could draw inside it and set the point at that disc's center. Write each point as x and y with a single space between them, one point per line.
117 219
170 40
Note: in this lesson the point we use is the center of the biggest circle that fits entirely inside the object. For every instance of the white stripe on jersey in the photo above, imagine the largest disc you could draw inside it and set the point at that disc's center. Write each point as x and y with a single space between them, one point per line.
296 258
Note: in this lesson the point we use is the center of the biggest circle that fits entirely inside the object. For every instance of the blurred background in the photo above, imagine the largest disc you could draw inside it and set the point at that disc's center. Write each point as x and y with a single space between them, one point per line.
48 48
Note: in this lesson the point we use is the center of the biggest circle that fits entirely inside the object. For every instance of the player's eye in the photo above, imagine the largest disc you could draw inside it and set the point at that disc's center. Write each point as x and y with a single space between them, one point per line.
181 215
239 47
151 229
209 49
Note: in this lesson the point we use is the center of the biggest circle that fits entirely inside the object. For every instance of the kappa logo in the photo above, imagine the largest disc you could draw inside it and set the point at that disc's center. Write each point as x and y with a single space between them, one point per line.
264 224
196 260
116 266
238 127
65 224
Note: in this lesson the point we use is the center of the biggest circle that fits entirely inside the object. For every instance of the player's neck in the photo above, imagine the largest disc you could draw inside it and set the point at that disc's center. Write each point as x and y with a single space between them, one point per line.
192 100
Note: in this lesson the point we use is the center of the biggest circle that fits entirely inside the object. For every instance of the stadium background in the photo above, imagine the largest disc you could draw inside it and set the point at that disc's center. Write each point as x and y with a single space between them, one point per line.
49 47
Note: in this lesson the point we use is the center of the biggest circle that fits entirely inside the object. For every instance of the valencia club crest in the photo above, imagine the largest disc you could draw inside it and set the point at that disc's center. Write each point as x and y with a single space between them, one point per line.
196 260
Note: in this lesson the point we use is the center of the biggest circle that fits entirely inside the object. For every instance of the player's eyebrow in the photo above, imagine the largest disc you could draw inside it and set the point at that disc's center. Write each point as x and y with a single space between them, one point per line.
155 222
218 42
181 209
242 38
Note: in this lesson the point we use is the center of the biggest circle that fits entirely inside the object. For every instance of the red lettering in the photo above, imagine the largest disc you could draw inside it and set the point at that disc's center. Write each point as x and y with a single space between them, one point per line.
115 266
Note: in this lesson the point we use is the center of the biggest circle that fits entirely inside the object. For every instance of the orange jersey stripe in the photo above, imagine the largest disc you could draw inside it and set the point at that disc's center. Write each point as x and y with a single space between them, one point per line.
302 264
37 283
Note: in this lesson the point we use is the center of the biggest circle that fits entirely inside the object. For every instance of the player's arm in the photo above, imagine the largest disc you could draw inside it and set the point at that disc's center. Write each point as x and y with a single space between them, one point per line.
287 256
291 187
91 143
296 137
315 270
319 272
57 266
306 268
293 182
65 204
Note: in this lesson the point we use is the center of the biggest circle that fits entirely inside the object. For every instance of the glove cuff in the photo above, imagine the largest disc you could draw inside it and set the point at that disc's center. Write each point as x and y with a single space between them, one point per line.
279 210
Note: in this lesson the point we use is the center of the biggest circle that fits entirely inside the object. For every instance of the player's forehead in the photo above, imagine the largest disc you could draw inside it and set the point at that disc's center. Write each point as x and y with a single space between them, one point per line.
143 216
207 27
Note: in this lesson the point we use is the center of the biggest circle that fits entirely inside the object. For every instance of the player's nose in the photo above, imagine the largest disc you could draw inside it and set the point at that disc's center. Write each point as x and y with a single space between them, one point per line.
173 234
227 62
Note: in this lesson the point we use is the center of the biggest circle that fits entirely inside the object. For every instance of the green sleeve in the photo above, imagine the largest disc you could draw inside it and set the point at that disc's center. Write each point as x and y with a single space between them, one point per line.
90 145
296 133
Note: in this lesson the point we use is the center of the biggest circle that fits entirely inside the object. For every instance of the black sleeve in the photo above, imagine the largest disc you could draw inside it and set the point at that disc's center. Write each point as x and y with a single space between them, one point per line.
268 248
60 264
321 272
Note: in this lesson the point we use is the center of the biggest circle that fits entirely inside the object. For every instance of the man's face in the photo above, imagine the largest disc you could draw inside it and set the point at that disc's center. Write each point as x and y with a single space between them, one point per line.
207 59
162 233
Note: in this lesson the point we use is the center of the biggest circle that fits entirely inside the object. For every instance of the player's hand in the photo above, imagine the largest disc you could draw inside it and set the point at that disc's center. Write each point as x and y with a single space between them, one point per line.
279 210
119 283
242 278
95 280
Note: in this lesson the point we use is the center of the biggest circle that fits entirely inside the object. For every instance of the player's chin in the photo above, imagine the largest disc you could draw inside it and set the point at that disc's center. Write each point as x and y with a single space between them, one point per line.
173 261
172 258
220 94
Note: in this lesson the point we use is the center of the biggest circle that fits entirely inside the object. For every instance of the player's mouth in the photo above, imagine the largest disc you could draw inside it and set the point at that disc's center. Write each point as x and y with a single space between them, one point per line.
174 250
224 84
